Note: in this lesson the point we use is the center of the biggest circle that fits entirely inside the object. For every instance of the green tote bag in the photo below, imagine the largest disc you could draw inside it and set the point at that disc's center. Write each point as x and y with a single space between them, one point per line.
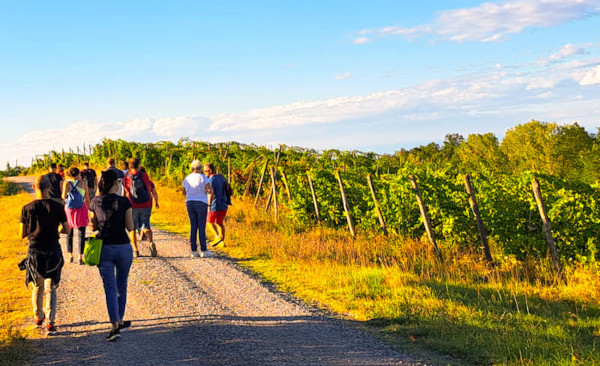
92 251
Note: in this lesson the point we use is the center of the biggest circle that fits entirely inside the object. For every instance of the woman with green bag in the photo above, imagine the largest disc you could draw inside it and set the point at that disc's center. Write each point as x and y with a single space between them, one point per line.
111 215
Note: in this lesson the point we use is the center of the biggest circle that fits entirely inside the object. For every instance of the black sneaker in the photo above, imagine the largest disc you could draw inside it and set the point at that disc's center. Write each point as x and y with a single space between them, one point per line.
50 329
113 335
153 251
126 324
39 322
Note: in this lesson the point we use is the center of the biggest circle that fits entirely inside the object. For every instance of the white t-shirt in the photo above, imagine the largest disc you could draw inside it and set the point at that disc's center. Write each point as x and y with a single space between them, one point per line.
195 187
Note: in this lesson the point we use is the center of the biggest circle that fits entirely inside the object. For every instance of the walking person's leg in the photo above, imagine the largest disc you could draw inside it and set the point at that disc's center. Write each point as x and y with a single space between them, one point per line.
134 237
213 228
37 300
202 211
70 244
123 262
193 216
215 221
50 303
106 267
81 242
147 230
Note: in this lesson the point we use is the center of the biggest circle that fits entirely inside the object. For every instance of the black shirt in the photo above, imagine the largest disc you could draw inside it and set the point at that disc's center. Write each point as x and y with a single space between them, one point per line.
110 215
90 176
55 184
40 219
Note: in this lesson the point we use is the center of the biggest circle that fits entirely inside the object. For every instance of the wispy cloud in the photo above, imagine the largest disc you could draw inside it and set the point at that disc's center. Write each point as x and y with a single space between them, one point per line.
343 76
492 21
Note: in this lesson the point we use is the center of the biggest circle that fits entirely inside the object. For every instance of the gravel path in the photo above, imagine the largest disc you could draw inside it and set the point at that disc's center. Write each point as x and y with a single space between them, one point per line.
201 311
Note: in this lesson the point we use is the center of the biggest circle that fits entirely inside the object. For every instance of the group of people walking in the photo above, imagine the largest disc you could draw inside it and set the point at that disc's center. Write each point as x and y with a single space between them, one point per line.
118 206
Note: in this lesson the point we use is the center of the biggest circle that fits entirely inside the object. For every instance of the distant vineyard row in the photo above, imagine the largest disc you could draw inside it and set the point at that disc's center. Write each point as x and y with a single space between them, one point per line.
506 201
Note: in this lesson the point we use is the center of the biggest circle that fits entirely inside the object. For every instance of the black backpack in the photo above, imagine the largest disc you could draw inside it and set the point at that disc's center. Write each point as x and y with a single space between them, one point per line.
138 190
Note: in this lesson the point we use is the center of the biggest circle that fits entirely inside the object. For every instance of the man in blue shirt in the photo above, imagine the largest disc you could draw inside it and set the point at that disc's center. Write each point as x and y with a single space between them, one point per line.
218 202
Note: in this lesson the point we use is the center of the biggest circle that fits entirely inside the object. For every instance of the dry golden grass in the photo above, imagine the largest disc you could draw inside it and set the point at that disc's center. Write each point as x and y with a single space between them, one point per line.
514 313
15 299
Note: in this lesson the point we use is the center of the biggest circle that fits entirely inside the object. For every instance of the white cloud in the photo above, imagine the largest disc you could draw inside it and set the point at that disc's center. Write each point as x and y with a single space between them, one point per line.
566 51
178 126
361 40
343 76
493 21
491 100
89 132
591 77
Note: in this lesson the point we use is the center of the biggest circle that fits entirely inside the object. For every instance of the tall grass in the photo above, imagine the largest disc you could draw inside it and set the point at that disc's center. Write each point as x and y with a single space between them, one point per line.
514 313
15 299
8 188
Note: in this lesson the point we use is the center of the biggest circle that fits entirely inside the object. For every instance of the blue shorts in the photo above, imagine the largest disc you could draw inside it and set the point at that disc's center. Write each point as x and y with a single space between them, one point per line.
141 218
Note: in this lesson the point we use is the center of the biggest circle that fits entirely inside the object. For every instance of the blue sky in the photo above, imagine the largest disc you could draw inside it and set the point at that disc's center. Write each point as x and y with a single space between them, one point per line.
377 76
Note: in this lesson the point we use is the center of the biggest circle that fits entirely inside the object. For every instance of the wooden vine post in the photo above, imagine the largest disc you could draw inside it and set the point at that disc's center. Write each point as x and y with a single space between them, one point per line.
274 191
249 181
377 207
277 157
424 214
229 169
478 221
345 201
546 225
285 185
262 178
314 197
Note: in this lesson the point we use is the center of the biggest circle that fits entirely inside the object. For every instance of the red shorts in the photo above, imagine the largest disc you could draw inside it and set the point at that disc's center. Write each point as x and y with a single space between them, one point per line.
216 217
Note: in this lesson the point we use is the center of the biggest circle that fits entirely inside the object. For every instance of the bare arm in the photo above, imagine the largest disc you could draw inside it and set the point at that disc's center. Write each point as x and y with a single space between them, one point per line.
155 197
22 232
94 221
129 219
210 193
65 228
86 198
64 189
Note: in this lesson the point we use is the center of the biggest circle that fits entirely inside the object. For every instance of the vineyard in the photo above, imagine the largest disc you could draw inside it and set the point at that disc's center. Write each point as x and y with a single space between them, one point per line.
399 240
506 202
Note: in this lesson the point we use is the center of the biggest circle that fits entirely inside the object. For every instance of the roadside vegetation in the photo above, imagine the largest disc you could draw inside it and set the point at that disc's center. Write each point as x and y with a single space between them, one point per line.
15 299
512 314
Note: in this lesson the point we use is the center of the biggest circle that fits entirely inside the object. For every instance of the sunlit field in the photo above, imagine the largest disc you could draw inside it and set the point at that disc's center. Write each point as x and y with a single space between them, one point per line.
15 299
459 307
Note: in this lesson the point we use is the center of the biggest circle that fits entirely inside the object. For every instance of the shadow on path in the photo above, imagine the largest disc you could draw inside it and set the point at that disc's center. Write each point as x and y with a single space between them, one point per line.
225 340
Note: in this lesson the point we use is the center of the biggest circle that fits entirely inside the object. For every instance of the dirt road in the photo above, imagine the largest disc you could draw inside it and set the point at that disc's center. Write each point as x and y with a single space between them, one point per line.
198 312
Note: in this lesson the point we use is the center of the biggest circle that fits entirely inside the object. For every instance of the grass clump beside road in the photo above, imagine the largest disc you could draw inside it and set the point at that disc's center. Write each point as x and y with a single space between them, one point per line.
461 308
15 299
8 188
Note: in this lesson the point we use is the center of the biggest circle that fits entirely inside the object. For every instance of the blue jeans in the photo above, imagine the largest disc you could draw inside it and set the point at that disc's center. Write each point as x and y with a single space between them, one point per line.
197 214
119 258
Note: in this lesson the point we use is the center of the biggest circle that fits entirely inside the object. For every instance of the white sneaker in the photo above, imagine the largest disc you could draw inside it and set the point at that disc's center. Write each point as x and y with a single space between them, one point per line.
195 255
206 254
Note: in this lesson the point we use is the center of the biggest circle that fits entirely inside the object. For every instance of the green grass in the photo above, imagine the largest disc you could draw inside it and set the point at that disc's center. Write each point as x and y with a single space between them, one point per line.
8 188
